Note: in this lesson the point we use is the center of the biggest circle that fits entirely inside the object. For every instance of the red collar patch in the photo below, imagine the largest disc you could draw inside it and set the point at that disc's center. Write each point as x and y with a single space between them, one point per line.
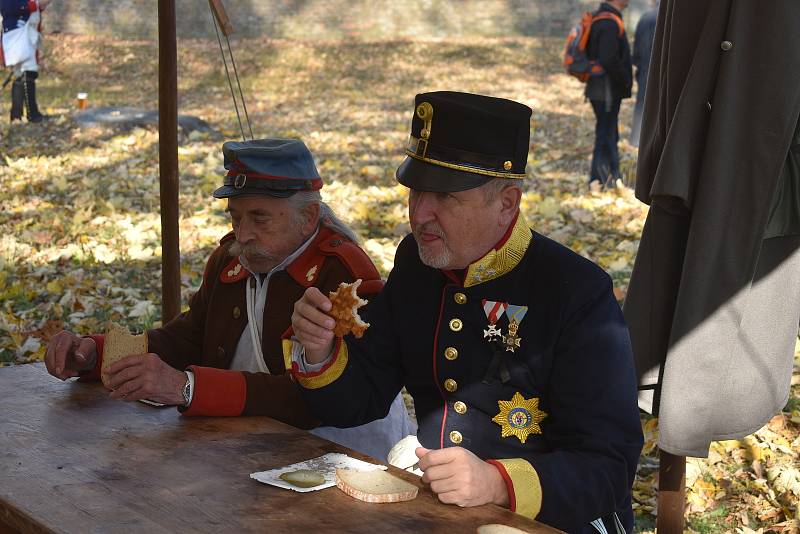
306 267
233 272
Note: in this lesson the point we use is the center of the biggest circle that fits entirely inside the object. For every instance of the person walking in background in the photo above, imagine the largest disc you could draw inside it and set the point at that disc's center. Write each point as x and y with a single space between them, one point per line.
608 45
642 47
21 40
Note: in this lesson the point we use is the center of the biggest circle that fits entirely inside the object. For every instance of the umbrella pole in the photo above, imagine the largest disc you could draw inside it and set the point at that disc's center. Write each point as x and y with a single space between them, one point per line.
671 493
168 159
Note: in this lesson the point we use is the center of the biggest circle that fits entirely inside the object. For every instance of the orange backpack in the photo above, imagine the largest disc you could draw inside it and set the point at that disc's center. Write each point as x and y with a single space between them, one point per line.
576 62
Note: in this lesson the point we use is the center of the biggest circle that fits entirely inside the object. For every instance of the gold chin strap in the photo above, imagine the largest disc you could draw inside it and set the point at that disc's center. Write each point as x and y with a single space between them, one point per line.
413 152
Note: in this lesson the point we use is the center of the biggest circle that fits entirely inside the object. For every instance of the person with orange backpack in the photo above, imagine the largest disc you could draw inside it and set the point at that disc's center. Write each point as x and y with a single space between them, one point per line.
608 82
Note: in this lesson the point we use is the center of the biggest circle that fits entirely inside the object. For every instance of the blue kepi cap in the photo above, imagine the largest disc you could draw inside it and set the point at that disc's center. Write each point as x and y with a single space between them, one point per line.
273 166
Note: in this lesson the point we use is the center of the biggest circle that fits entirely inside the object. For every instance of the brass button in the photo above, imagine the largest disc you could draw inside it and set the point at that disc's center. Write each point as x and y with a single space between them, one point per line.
460 298
456 437
507 165
450 353
236 312
455 325
460 407
450 385
726 45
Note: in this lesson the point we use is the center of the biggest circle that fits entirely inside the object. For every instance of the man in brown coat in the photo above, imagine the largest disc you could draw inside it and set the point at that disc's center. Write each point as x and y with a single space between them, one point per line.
223 356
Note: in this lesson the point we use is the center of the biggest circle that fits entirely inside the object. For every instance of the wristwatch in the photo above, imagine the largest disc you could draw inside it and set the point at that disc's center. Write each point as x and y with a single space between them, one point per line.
187 391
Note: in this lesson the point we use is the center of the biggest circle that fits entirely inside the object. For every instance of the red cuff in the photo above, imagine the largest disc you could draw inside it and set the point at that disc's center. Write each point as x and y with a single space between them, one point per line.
94 373
217 392
32 6
512 498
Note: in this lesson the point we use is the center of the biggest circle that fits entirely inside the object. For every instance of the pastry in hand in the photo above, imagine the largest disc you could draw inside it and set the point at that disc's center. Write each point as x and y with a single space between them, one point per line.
345 303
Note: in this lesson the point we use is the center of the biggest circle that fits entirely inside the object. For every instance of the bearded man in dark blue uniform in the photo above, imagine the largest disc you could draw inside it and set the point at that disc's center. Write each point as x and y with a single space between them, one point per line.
512 346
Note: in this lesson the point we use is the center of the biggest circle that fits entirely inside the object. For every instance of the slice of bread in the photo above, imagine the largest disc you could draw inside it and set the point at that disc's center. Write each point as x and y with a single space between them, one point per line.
374 486
118 344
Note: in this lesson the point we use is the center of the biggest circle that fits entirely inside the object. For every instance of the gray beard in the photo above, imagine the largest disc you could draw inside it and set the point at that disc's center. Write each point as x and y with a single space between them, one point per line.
441 261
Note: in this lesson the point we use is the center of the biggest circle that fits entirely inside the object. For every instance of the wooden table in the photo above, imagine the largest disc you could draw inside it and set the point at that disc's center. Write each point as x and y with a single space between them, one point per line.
73 460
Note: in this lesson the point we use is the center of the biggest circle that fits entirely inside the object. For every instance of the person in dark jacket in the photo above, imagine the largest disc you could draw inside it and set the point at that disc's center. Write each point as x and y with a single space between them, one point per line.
21 25
512 346
642 48
608 45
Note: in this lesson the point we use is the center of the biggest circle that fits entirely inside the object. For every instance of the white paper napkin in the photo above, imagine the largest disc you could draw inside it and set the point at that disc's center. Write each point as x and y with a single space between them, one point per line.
327 465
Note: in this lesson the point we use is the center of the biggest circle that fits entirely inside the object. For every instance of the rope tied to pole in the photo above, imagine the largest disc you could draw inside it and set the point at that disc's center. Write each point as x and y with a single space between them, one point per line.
220 18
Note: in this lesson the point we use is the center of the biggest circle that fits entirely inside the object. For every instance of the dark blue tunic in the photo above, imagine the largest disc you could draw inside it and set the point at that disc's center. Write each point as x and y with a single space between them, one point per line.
574 357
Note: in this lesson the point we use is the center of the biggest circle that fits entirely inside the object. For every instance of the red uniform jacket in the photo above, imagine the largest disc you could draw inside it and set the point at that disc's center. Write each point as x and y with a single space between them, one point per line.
204 338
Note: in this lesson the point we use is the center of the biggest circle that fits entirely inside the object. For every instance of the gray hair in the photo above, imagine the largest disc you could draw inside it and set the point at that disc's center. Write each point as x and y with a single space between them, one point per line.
494 187
299 201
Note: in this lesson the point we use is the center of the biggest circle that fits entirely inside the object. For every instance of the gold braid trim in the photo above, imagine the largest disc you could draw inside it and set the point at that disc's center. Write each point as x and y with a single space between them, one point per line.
286 347
498 262
527 488
326 376
411 152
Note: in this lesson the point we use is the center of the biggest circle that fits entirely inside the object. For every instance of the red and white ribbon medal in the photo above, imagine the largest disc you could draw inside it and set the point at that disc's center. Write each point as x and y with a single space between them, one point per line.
493 310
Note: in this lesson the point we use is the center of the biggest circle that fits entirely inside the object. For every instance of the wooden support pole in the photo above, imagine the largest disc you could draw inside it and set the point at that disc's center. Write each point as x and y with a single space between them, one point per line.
168 160
671 493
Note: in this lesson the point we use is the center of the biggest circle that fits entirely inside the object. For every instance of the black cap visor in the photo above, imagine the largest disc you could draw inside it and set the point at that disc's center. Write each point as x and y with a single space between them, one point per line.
421 176
229 191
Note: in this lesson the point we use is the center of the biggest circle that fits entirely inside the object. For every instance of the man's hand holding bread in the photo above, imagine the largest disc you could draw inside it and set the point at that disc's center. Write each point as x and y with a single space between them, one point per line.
145 376
128 370
67 355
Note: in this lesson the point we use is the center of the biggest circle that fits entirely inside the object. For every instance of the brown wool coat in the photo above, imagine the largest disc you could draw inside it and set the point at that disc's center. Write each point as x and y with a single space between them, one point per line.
723 99
207 334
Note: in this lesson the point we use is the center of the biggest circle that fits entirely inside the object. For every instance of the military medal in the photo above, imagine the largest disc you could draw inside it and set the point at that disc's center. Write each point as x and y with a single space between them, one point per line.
515 315
492 310
519 417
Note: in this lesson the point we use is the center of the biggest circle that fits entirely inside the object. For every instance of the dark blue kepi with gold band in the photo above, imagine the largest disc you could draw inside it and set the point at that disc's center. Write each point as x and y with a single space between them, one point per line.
520 355
444 139
275 167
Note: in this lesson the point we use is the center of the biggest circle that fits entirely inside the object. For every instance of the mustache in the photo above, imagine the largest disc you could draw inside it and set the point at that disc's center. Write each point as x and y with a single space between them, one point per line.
428 228
252 251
